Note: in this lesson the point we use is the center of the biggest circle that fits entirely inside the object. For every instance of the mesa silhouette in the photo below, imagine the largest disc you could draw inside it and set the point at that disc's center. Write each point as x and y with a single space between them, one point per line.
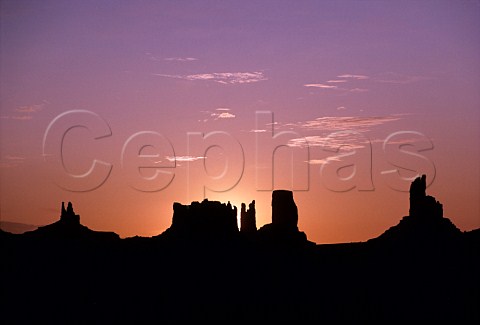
205 266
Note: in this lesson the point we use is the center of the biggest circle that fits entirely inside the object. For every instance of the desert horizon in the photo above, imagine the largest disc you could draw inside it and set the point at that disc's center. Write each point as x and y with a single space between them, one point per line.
205 267
249 160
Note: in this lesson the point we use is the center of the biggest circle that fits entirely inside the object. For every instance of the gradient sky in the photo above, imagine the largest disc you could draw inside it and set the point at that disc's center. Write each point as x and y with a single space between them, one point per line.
327 82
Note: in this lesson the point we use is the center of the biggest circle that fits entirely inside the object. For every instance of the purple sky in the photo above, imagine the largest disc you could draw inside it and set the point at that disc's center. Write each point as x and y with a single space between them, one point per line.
177 67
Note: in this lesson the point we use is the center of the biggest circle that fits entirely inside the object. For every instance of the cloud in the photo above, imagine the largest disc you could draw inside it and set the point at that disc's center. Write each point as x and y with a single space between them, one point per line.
22 117
10 157
388 77
183 158
12 161
24 113
219 113
222 77
322 161
179 59
332 83
152 57
395 78
341 108
353 76
348 141
226 115
347 131
398 141
174 58
169 75
230 77
358 90
7 165
30 108
321 86
258 130
222 115
338 123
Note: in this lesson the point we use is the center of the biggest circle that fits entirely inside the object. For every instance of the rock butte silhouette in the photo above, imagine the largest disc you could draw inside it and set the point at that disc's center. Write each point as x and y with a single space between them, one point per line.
69 228
205 266
425 223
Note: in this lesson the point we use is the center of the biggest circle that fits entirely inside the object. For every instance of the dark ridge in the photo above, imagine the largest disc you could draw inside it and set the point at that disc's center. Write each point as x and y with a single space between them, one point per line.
204 267
69 228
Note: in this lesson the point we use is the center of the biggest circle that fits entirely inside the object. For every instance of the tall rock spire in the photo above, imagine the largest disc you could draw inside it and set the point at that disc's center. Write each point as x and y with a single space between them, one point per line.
284 210
421 204
69 215
247 218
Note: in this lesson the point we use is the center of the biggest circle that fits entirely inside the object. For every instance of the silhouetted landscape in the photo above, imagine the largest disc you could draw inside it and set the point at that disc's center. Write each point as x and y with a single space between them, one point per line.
205 266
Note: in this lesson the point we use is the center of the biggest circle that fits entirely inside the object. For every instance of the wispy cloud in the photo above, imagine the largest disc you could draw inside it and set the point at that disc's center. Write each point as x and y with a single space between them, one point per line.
180 59
258 131
351 83
11 161
153 57
341 108
336 123
222 77
222 115
338 131
219 113
30 108
230 77
322 161
353 76
22 117
346 140
321 86
7 165
23 113
183 158
398 141
358 90
10 157
400 79
336 83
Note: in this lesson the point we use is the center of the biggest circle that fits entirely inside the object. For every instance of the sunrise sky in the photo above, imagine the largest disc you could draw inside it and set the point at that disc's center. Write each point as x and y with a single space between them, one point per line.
207 90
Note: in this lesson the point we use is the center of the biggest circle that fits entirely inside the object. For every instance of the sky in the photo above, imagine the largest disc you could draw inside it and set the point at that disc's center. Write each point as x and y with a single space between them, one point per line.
124 107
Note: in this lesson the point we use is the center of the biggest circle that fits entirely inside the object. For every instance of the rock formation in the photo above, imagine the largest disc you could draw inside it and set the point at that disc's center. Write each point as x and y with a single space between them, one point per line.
210 221
68 215
284 210
425 223
283 231
422 205
206 220
247 219
69 228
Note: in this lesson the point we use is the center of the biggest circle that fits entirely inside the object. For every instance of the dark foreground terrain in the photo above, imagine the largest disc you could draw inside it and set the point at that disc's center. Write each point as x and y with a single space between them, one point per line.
204 267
